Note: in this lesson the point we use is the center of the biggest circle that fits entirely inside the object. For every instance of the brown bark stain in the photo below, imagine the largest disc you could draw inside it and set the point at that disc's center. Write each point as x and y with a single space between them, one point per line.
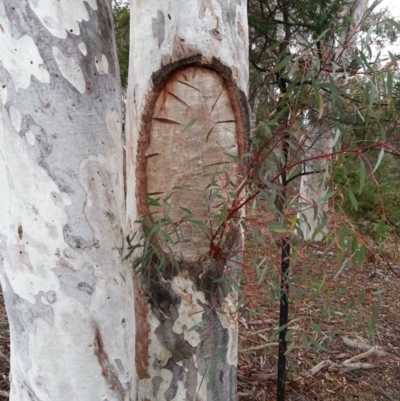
181 49
241 33
205 4
143 341
107 370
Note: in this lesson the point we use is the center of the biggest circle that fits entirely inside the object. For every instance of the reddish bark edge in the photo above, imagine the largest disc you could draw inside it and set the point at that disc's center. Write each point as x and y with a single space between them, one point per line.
237 98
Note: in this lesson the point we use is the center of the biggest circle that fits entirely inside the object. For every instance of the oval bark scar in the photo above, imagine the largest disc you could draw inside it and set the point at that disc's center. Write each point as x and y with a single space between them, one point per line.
193 128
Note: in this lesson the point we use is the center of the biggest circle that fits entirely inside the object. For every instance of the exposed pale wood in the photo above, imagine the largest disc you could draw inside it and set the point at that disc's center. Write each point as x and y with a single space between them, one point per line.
192 157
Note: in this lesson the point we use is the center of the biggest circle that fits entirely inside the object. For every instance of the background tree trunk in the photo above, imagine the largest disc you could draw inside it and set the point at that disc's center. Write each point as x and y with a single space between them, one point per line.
69 298
187 108
314 181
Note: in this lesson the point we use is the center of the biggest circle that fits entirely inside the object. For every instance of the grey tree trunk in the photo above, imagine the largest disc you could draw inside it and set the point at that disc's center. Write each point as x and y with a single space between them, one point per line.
313 186
187 118
69 296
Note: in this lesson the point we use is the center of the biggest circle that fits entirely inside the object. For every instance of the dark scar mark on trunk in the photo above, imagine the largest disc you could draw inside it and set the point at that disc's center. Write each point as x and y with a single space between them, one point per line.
177 98
152 155
190 86
166 120
108 371
216 101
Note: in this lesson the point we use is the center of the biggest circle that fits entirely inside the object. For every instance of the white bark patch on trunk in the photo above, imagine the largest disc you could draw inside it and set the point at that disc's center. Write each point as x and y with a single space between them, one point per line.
83 48
70 70
102 65
21 58
62 15
16 118
30 138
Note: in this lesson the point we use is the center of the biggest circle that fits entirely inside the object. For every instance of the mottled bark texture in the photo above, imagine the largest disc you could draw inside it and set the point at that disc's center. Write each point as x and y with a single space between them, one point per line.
187 110
69 297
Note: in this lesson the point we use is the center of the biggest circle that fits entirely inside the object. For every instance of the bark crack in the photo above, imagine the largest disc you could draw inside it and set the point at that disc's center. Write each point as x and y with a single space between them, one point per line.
177 98
190 86
108 370
166 120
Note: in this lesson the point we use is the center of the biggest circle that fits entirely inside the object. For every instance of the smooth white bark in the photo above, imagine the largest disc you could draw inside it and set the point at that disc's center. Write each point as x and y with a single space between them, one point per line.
68 295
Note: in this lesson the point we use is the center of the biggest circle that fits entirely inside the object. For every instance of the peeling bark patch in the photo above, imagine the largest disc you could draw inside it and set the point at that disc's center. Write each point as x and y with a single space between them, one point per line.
83 48
158 27
108 371
70 70
22 315
190 313
21 58
78 284
62 15
222 384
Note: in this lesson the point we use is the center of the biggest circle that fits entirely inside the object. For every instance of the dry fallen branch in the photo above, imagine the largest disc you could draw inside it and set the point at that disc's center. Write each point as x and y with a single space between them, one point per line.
341 367
350 364
349 367
262 346
313 371
364 347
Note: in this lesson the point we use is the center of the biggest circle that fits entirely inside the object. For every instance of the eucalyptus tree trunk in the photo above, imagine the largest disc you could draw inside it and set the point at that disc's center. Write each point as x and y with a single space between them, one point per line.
187 117
69 296
313 185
